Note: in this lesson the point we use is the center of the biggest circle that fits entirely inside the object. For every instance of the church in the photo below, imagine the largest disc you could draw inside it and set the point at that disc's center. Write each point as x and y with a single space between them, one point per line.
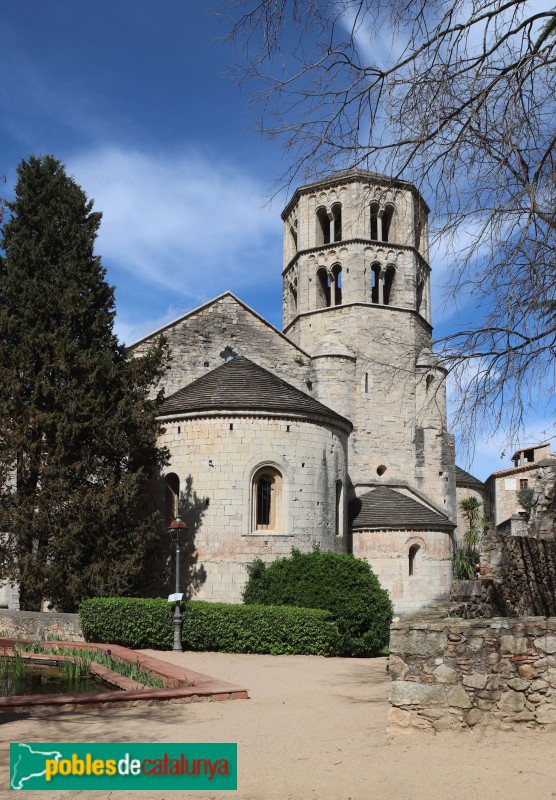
331 432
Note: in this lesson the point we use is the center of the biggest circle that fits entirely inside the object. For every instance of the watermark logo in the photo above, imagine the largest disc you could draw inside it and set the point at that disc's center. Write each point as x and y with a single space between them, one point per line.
123 765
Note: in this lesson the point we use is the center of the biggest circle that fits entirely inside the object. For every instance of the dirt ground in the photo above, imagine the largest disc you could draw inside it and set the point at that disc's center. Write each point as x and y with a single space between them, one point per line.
313 728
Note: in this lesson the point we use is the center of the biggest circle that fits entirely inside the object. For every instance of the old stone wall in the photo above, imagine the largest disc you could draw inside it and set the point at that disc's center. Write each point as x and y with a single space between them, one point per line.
388 554
478 599
453 673
216 458
40 626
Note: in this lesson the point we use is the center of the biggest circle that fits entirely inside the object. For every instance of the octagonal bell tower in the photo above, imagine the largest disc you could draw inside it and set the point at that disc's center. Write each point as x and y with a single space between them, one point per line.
356 297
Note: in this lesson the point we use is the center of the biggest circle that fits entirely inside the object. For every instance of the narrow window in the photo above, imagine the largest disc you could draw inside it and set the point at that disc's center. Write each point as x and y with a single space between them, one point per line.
366 383
323 227
293 296
523 483
267 485
323 288
413 550
374 220
387 226
171 497
293 232
375 283
337 284
389 276
339 508
337 219
420 289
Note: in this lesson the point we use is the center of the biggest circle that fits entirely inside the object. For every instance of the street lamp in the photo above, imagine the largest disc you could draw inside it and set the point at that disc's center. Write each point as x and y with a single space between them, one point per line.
175 531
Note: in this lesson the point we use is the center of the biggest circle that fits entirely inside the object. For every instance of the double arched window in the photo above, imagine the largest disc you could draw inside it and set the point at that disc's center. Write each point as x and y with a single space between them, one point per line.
382 220
329 224
266 502
382 284
329 287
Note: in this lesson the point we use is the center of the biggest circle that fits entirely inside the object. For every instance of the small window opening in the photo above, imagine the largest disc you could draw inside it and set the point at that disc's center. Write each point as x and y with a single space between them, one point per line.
293 296
339 508
529 455
337 220
389 276
336 280
523 483
287 428
413 550
227 354
376 280
179 429
293 232
323 227
323 288
366 383
374 221
267 486
171 497
381 470
387 226
231 426
420 290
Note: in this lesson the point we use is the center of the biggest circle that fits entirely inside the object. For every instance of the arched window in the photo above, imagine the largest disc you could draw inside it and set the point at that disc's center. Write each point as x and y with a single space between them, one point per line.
323 226
339 508
323 288
337 220
420 289
267 500
336 285
413 560
387 226
293 233
376 283
171 497
293 296
389 276
375 208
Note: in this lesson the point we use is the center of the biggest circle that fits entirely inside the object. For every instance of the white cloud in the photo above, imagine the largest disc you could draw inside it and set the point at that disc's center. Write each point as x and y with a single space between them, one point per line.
180 221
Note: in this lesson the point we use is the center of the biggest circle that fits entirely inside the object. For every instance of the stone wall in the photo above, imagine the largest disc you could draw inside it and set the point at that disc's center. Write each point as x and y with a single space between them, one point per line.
40 626
453 674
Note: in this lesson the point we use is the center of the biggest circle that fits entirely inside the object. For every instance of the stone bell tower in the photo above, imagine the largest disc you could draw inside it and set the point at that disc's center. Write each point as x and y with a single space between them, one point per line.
356 297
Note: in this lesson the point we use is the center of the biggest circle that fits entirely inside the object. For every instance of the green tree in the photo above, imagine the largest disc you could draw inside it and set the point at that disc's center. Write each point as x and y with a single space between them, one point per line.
77 426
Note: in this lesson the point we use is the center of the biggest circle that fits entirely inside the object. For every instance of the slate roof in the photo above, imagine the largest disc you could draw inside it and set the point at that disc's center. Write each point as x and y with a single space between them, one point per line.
464 478
241 385
386 509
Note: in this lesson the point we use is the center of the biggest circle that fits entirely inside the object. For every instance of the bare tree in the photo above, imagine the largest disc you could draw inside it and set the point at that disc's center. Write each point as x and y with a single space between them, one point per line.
459 97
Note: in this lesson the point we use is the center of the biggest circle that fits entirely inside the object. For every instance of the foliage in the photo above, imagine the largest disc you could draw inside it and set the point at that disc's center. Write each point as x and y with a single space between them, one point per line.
459 98
338 582
77 428
139 622
78 663
525 499
467 557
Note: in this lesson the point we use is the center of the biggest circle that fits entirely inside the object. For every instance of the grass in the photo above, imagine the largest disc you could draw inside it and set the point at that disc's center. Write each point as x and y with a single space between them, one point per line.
79 663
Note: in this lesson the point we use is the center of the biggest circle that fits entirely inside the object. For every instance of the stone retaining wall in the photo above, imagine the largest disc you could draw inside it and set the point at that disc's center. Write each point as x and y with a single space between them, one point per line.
454 673
40 626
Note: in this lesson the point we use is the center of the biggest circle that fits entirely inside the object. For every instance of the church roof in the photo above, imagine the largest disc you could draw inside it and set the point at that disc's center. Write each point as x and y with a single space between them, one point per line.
240 385
464 478
386 509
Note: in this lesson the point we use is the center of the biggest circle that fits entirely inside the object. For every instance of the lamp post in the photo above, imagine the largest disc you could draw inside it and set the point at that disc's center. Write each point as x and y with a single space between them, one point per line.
175 531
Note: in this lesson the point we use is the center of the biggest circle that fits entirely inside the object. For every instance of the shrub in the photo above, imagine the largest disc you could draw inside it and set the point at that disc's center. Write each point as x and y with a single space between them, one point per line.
141 623
338 582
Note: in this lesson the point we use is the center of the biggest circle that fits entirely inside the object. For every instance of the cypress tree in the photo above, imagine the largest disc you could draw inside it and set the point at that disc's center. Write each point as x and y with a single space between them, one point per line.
77 422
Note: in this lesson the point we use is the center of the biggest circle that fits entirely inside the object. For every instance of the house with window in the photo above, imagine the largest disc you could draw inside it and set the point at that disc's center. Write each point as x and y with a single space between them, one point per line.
331 432
503 508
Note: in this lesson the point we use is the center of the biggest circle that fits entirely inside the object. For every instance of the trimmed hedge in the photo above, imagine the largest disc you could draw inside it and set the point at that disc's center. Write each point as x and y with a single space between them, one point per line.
228 628
338 582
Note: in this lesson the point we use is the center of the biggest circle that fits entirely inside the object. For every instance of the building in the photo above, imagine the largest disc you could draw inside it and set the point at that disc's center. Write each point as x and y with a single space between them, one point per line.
503 508
331 432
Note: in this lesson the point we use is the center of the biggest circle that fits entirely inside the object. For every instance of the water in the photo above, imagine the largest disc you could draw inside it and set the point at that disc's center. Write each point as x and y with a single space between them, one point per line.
42 679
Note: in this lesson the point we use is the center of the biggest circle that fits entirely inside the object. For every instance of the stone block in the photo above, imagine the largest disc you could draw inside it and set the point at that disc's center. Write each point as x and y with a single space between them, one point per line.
475 680
546 643
473 717
515 645
458 697
397 667
407 693
519 684
545 714
511 702
445 674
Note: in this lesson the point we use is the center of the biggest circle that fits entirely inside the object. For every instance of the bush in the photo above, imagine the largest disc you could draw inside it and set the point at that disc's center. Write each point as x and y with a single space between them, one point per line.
338 582
141 623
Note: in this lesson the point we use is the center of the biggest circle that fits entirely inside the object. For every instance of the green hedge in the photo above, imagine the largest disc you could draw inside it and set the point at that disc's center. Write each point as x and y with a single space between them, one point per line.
338 582
228 628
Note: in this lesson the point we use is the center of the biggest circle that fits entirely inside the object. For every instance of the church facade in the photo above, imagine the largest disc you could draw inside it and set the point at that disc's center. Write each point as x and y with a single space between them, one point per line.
331 432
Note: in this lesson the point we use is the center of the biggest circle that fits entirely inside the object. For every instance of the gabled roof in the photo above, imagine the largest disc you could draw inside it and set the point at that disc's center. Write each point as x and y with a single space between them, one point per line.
464 478
242 386
386 509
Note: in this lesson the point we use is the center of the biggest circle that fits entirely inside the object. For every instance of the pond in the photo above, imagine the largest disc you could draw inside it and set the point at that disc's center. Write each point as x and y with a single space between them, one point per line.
24 678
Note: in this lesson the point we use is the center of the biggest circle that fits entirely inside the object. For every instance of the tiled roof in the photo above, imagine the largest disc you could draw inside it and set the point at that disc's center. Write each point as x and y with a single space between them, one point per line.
464 478
240 385
386 509
514 470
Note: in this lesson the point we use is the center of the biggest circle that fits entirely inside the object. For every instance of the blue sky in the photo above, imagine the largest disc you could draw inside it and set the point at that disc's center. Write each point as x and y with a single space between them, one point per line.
133 97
